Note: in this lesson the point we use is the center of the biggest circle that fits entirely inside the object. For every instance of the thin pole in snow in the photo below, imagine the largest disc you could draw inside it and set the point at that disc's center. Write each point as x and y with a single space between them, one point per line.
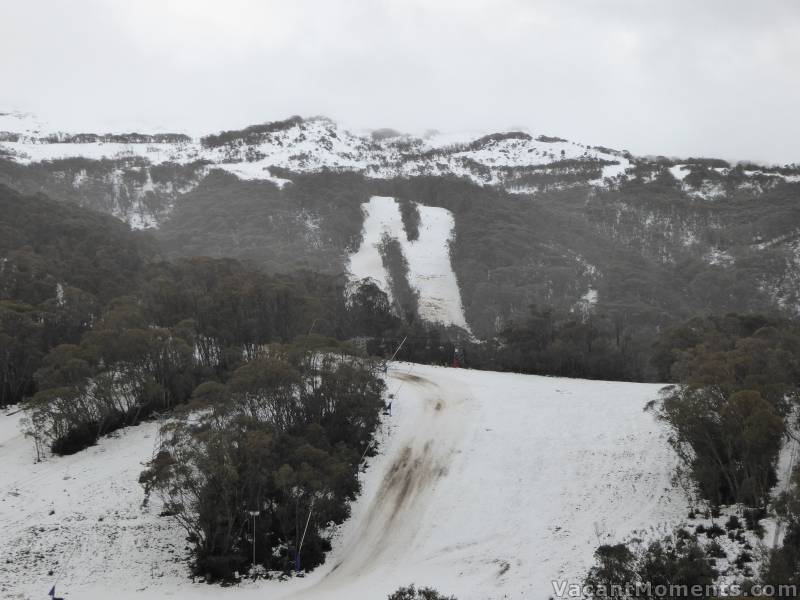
372 441
303 538
398 348
254 514
403 381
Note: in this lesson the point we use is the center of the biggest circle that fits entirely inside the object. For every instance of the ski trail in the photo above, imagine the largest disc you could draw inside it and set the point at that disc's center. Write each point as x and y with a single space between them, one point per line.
430 272
430 423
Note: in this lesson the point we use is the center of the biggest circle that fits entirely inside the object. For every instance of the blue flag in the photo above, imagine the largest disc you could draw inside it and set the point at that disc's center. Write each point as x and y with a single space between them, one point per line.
52 592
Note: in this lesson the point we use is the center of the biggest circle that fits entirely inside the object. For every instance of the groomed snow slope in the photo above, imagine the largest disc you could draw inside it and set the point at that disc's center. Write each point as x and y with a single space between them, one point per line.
487 486
429 270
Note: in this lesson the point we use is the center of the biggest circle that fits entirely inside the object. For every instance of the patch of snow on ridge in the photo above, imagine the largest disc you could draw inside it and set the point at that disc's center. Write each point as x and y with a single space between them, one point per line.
718 256
679 172
614 171
29 151
253 170
590 297
587 303
429 269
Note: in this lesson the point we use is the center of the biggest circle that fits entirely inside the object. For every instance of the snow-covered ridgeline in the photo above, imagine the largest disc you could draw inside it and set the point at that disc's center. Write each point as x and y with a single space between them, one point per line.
313 144
754 180
430 271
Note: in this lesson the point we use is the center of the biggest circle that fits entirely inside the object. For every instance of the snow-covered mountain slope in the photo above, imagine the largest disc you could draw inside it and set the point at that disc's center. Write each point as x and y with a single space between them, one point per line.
430 273
487 486
308 145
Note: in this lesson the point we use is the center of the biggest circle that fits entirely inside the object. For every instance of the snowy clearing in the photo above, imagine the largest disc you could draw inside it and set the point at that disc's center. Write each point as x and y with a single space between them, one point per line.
487 486
680 172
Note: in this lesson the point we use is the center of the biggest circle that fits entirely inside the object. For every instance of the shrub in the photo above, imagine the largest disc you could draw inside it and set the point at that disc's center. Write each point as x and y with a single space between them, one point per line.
662 562
412 593
733 523
728 440
744 557
752 516
715 549
714 531
615 566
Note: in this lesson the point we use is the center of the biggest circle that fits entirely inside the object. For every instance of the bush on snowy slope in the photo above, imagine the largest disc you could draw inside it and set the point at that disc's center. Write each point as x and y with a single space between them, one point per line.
115 377
284 437
669 562
730 443
740 377
413 593
97 329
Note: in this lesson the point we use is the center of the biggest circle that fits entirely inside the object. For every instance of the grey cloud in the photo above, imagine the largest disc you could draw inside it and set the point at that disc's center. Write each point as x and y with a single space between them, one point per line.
679 77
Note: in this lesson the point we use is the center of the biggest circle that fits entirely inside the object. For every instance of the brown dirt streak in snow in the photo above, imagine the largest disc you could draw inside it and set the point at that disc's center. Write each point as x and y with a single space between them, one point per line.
412 378
389 524
397 500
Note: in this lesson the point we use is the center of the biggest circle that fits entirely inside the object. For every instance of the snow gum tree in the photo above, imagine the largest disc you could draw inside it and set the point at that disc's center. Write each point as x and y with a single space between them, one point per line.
729 416
283 437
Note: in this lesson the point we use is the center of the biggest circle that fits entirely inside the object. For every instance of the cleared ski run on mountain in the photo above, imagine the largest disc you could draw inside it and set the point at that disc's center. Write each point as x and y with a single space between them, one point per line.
429 269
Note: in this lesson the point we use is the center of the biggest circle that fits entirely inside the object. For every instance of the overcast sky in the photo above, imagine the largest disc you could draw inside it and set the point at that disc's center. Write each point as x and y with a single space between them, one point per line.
715 78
